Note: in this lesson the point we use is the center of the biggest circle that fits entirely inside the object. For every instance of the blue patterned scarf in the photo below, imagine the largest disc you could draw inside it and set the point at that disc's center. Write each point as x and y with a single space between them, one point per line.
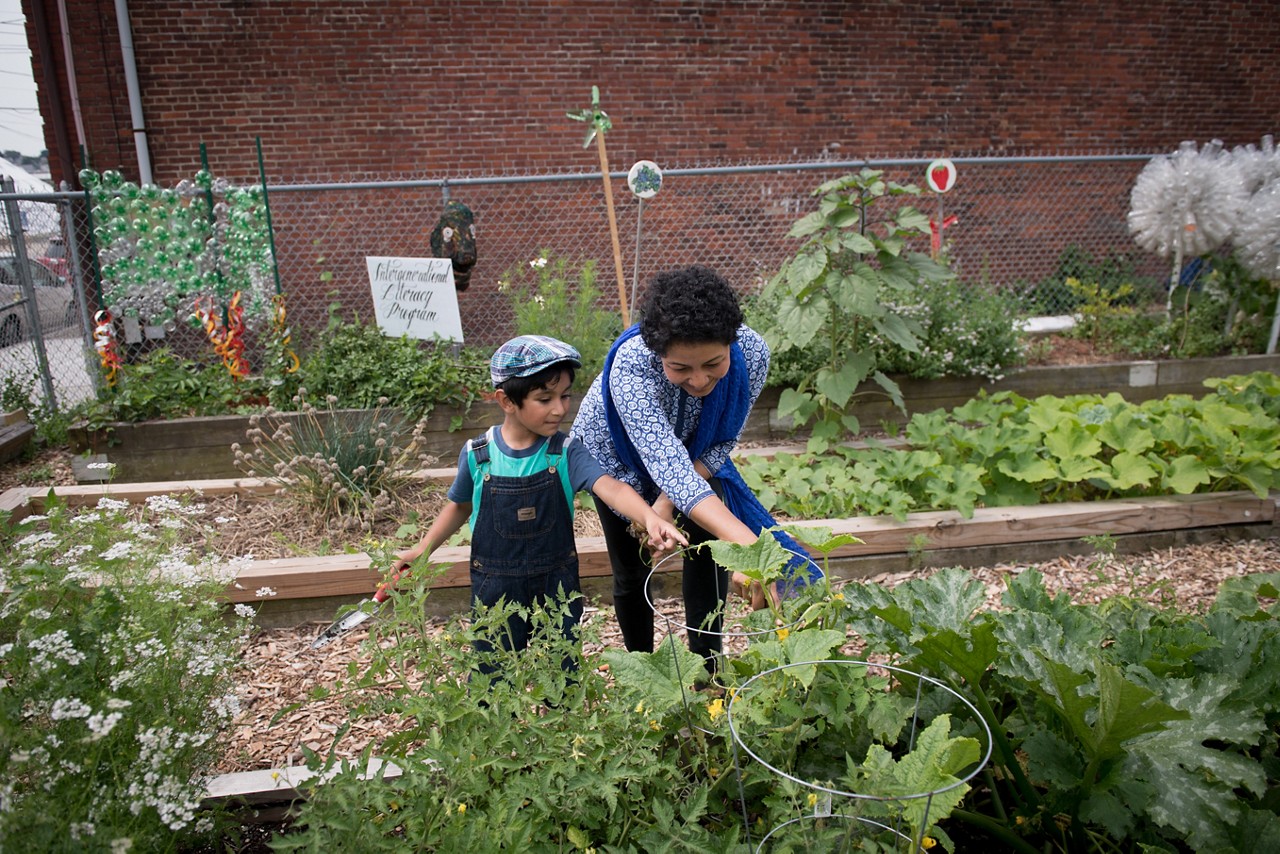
724 412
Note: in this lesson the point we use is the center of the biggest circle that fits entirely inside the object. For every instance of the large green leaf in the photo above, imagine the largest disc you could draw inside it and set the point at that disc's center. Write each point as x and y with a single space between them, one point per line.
662 678
934 765
808 224
1184 474
807 266
838 386
1067 440
1196 783
1104 721
1130 470
1126 431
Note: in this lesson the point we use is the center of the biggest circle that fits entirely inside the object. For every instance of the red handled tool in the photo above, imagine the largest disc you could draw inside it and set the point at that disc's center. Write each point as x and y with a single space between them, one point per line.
363 611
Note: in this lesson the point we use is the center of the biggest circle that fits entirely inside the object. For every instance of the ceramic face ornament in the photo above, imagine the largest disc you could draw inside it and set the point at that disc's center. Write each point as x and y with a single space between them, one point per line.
454 237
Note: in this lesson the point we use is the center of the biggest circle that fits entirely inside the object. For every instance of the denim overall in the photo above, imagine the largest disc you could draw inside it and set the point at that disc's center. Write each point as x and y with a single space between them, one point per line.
522 546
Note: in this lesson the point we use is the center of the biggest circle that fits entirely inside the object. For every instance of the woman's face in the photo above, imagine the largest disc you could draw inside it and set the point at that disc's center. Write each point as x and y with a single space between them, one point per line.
696 367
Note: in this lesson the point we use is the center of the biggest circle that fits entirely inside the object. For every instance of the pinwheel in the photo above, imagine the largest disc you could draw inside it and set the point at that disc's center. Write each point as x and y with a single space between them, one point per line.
598 123
1186 204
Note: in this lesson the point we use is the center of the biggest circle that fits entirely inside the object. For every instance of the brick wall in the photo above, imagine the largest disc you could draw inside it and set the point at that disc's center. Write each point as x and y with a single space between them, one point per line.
342 89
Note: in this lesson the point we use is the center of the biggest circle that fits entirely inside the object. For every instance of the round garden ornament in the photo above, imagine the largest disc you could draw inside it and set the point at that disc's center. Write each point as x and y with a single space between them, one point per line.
940 175
645 179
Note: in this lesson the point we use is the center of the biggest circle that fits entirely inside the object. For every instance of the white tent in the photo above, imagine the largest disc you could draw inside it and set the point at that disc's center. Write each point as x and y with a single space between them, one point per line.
37 217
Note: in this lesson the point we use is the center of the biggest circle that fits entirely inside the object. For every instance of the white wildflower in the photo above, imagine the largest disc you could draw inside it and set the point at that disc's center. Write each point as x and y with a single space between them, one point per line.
69 708
49 649
101 725
117 551
263 592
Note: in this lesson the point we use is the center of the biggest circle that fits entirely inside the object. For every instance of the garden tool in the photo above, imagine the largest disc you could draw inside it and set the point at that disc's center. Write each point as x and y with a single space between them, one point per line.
365 609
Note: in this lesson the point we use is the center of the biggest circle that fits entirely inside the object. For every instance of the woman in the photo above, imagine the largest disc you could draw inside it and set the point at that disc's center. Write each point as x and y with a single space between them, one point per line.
663 417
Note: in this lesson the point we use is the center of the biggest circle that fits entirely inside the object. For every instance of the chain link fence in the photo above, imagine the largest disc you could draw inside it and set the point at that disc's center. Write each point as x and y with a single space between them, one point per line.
1021 223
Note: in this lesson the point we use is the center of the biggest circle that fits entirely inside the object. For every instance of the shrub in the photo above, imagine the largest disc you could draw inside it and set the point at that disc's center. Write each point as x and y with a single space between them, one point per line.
116 665
844 283
163 385
357 365
348 466
967 331
545 303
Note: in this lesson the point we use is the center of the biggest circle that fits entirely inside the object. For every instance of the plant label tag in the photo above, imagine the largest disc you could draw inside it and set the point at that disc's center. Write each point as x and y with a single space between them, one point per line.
415 297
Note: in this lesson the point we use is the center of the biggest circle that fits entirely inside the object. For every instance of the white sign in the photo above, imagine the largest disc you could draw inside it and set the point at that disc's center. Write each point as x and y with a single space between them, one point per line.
415 297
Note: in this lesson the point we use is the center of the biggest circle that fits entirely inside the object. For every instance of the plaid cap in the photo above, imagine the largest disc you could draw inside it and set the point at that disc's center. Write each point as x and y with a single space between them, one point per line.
528 354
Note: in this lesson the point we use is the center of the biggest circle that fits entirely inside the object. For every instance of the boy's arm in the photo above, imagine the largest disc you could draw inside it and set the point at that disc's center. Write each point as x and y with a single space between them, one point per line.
446 524
663 535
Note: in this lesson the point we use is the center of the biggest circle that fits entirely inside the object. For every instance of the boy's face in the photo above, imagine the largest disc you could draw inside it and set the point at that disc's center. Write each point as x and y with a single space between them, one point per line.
543 411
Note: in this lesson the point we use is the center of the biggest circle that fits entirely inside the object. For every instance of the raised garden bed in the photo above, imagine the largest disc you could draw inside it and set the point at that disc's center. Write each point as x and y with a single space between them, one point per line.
311 587
200 448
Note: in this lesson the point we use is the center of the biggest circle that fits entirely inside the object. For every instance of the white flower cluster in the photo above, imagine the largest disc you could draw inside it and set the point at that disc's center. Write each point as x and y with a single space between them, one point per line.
176 801
48 650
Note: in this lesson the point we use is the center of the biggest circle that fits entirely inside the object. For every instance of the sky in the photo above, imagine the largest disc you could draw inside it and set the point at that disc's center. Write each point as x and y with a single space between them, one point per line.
20 122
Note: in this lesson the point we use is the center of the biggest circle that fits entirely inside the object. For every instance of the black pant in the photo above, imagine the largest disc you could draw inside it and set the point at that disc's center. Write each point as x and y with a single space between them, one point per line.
705 587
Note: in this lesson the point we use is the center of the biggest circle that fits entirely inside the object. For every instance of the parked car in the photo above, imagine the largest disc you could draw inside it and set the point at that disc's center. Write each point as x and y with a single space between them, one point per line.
54 300
55 257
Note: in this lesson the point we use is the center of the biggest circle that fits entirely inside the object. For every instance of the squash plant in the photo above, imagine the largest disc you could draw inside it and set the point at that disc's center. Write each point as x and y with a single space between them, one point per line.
844 281
1004 450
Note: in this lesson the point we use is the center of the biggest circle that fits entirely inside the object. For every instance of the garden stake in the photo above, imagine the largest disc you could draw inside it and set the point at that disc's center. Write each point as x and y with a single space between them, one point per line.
598 123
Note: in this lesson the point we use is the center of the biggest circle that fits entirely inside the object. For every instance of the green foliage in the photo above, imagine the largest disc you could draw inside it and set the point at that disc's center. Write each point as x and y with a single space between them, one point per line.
116 661
163 385
846 281
546 303
541 759
1119 728
347 465
1004 450
1052 295
1095 303
967 330
357 365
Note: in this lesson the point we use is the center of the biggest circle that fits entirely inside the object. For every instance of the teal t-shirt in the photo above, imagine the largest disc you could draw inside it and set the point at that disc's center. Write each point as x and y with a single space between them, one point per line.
578 470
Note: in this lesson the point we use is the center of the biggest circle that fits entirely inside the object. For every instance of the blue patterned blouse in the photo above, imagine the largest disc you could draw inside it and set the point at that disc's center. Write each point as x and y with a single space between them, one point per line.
659 418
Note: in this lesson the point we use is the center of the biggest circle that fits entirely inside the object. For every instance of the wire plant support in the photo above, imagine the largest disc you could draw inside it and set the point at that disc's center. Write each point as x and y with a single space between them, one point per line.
774 703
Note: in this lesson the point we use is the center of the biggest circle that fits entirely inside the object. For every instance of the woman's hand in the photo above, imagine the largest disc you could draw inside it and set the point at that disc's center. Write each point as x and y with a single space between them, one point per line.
662 537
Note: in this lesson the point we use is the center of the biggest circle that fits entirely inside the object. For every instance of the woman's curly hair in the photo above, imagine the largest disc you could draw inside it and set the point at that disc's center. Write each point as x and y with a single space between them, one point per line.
690 305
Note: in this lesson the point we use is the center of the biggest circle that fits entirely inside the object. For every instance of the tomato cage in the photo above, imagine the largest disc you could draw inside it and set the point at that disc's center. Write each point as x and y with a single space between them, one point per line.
870 755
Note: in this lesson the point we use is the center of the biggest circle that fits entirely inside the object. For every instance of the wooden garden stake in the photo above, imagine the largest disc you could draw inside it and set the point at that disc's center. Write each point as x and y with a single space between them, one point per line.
597 124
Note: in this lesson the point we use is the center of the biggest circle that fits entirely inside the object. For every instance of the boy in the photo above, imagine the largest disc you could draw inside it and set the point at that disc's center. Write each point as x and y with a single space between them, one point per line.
516 483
